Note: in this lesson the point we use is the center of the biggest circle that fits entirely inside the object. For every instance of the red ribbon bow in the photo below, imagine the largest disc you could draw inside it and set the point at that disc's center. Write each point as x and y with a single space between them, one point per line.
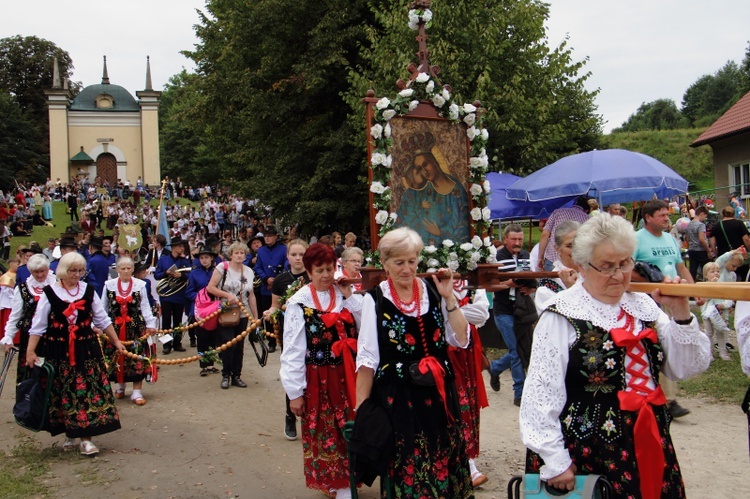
73 328
348 349
626 339
433 365
338 319
649 454
122 321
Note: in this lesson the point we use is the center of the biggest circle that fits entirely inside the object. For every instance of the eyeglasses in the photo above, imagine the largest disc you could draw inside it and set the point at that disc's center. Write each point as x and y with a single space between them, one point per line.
355 261
610 271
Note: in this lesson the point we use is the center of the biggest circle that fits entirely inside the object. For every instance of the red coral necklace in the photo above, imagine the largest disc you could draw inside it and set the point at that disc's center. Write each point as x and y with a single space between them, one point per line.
78 288
332 296
124 292
411 305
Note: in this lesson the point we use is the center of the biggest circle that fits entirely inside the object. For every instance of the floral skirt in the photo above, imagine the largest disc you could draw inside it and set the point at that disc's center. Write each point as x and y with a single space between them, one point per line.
326 462
429 458
464 368
81 402
127 370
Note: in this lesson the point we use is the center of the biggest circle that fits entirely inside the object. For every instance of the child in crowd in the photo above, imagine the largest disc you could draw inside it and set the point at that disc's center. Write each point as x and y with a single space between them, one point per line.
715 312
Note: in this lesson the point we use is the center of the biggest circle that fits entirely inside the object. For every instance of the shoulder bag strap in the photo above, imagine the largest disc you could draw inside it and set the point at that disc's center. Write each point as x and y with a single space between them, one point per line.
726 238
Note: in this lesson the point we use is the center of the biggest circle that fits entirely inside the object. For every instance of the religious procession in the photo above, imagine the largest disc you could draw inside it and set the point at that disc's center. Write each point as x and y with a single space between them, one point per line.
383 338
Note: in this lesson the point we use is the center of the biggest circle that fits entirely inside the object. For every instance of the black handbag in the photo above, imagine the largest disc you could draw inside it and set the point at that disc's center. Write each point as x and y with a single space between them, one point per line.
31 409
416 376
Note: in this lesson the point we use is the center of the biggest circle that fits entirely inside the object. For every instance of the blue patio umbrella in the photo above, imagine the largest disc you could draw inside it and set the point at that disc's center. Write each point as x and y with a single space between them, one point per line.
610 176
504 208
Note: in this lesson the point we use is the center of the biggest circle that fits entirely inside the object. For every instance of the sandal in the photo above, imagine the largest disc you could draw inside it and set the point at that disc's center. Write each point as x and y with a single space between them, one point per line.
477 479
139 401
88 448
119 394
69 444
204 372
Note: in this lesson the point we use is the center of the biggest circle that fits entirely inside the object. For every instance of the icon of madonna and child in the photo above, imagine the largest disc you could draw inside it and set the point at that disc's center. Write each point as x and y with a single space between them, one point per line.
433 202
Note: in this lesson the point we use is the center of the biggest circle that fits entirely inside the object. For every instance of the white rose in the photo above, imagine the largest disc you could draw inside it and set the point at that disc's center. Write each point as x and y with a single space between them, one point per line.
376 131
393 216
453 265
471 265
430 249
381 217
453 112
388 114
469 108
422 77
427 16
472 132
387 131
432 262
446 94
447 243
475 189
469 119
432 270
466 246
485 134
388 161
413 105
486 186
476 242
486 213
475 257
414 24
382 103
478 162
486 241
377 188
438 101
453 257
377 158
430 87
407 92
476 213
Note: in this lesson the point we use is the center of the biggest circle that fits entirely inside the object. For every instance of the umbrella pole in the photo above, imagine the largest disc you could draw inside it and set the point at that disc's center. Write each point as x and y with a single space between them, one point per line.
531 229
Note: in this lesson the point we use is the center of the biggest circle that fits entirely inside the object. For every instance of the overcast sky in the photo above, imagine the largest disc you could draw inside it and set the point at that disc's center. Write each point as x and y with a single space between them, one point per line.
639 50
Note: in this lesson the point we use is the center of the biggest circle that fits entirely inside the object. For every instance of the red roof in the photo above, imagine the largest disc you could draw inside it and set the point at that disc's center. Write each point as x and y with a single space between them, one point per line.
735 121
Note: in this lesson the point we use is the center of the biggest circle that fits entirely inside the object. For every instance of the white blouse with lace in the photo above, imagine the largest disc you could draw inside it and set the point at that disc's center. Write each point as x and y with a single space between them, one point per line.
99 316
687 352
293 372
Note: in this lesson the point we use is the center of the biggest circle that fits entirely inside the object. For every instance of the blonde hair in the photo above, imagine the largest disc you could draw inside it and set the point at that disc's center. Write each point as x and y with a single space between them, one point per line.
710 266
398 241
67 261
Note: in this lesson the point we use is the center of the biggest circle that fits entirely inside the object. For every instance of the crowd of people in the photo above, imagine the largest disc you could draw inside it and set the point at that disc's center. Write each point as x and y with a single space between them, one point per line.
592 364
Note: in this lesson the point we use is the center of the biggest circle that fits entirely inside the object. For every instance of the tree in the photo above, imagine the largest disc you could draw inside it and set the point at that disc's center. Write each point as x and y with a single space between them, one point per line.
709 97
745 72
26 66
26 71
661 114
282 81
19 144
183 151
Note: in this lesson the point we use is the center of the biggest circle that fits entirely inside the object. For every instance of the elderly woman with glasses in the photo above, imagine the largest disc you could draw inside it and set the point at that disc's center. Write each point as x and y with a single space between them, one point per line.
592 403
352 259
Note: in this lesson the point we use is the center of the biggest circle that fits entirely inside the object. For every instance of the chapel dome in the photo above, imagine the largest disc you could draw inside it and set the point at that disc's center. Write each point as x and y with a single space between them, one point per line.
104 97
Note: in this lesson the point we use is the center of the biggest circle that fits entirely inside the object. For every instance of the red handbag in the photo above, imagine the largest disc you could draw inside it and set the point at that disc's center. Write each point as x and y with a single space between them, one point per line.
205 305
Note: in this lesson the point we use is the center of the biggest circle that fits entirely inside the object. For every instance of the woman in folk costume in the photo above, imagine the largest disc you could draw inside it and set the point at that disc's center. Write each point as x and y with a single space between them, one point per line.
592 403
81 404
403 366
317 369
127 303
25 299
467 367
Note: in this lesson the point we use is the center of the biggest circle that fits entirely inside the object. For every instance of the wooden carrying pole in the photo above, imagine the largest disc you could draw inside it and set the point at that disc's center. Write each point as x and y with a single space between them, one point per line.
738 291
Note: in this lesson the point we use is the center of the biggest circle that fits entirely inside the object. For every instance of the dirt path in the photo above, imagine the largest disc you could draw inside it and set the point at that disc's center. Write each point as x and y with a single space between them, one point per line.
194 440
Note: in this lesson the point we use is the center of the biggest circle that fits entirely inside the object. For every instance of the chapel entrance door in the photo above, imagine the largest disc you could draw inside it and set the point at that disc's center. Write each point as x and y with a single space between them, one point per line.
106 168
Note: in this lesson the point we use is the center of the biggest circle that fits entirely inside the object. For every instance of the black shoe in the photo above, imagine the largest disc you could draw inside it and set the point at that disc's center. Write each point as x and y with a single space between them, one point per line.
730 346
271 348
517 402
179 348
290 428
237 381
192 343
204 372
676 410
225 382
167 350
495 381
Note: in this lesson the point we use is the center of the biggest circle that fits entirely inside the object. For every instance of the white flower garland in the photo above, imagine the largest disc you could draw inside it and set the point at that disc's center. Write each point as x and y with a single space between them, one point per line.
463 256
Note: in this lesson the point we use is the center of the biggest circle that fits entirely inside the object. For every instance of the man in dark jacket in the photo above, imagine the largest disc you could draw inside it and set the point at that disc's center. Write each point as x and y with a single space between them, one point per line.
173 305
271 261
98 265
